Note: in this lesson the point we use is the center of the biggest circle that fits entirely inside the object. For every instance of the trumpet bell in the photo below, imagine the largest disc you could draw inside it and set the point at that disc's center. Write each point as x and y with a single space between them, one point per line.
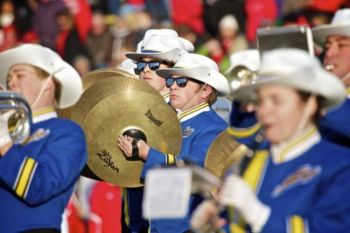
241 76
20 120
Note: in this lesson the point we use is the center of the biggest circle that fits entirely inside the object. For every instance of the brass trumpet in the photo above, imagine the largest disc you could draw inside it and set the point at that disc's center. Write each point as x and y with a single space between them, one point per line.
20 118
238 77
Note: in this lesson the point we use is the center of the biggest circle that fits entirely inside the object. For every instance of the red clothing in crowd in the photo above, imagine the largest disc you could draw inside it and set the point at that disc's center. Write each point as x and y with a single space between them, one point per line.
8 37
259 13
327 6
82 16
105 209
75 222
188 13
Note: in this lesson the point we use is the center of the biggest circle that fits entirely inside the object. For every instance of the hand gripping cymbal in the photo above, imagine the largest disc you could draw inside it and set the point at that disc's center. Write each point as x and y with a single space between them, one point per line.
120 113
110 108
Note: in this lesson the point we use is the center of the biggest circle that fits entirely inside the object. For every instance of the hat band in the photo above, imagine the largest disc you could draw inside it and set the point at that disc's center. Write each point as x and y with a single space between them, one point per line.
149 51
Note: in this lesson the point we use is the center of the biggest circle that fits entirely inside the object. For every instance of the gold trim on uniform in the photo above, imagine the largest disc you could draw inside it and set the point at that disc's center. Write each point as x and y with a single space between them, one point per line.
295 146
296 225
252 175
256 169
126 205
26 175
243 132
192 110
43 111
170 159
234 228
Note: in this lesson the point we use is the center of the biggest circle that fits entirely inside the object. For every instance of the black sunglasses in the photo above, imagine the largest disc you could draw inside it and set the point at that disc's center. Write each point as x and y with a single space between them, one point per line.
153 65
180 81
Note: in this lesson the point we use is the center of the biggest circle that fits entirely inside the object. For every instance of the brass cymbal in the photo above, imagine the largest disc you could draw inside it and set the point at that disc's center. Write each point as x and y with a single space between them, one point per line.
119 113
106 87
103 73
93 77
223 153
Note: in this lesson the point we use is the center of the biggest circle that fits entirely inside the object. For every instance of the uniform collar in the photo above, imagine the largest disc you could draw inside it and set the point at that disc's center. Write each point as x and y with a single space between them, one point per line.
296 146
189 113
44 114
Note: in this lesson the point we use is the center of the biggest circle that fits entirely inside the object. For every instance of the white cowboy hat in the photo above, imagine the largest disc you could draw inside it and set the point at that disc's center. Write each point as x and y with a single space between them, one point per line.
187 45
340 25
162 47
201 68
249 58
297 69
49 61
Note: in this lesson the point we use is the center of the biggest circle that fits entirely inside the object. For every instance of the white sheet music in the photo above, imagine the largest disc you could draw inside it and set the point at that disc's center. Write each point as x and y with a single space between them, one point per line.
167 193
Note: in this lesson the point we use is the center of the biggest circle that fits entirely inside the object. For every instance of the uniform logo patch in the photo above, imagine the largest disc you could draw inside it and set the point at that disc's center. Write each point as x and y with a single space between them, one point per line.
187 132
303 175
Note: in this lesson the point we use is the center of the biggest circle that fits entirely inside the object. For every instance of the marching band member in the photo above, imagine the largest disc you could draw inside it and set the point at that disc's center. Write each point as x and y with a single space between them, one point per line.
301 184
194 85
159 49
335 39
38 176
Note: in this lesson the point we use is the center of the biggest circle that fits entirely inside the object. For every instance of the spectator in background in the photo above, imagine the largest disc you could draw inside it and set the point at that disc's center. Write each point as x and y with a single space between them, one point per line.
8 32
69 44
82 64
44 21
213 49
231 38
99 41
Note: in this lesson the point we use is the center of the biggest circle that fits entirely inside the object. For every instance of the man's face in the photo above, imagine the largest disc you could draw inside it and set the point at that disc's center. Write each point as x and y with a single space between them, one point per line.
23 79
185 95
150 76
337 55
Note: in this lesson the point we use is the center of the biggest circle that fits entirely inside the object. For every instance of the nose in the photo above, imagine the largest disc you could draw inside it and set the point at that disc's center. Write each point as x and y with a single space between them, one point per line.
146 69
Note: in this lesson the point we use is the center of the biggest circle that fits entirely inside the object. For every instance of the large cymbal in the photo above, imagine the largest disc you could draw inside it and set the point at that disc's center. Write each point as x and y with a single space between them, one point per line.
106 87
103 73
223 153
93 77
101 88
118 113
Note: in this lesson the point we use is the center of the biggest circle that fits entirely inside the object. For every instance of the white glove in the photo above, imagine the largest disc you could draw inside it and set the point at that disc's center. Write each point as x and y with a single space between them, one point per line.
238 194
206 217
4 131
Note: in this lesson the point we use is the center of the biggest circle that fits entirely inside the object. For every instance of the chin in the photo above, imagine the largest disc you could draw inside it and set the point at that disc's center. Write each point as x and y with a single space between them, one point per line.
272 137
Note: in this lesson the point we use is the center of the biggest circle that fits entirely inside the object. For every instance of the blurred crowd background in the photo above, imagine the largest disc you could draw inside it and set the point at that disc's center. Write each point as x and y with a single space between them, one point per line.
91 34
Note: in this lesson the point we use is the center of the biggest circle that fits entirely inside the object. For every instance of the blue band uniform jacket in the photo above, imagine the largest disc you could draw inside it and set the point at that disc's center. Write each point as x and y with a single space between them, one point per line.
200 126
306 184
38 178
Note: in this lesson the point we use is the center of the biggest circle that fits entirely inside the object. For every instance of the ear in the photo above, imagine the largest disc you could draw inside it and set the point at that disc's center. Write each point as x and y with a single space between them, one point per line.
206 90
